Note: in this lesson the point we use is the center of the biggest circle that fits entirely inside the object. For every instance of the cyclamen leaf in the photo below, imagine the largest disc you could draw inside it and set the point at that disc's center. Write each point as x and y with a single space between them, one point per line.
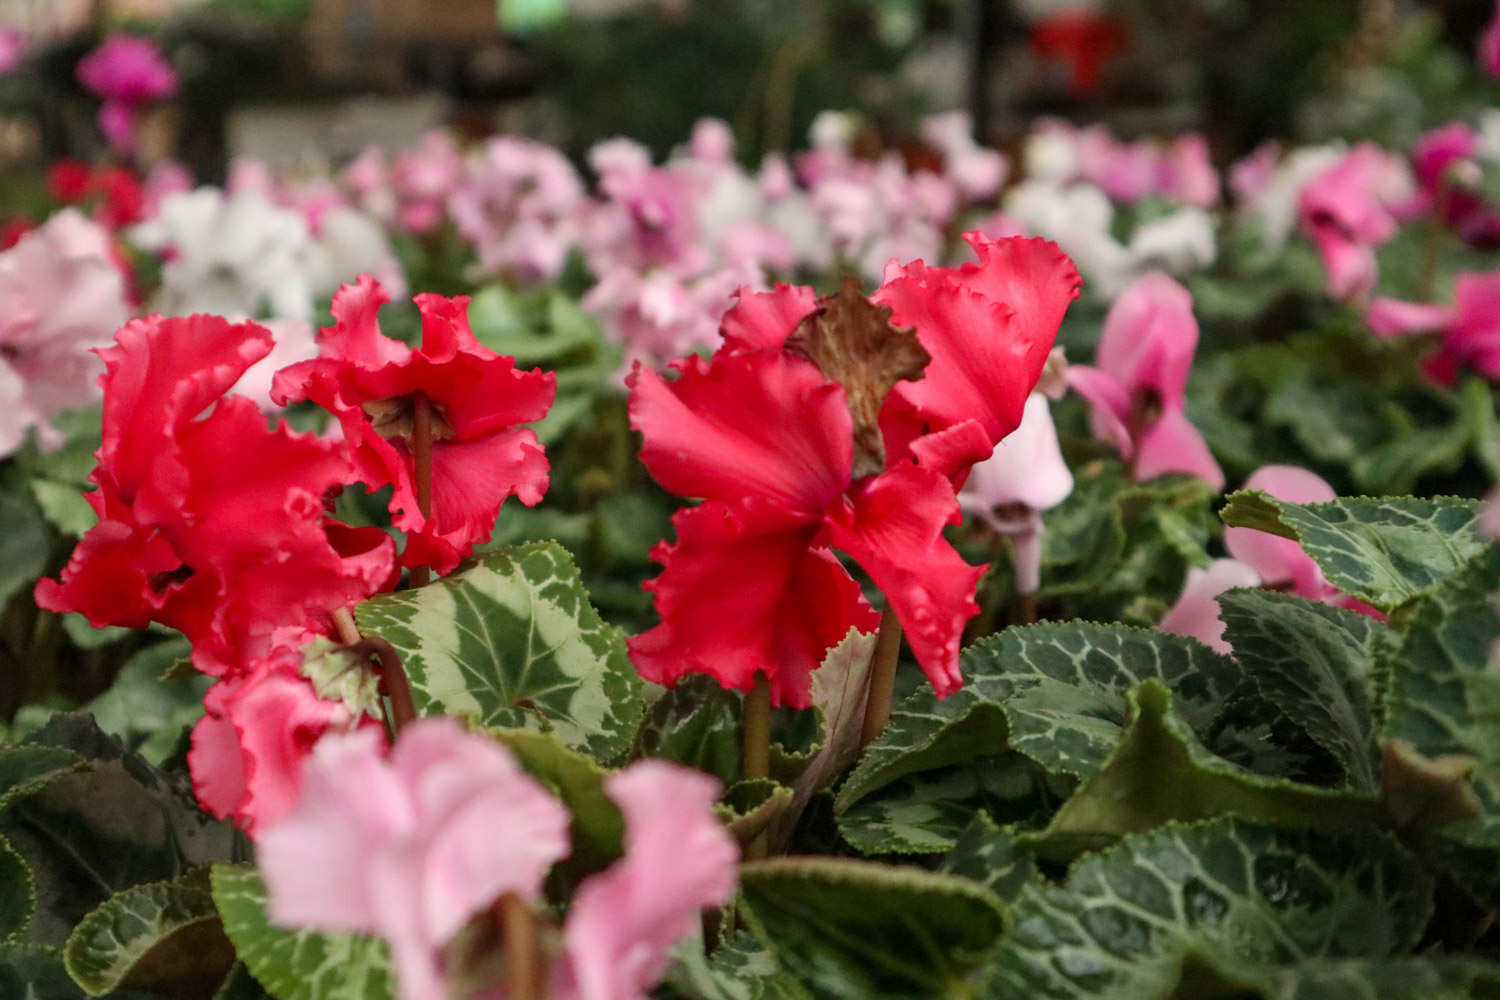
696 723
1159 772
1316 663
863 931
514 642
164 937
1383 551
297 965
1054 691
1451 977
23 545
1224 901
25 769
17 893
739 969
988 854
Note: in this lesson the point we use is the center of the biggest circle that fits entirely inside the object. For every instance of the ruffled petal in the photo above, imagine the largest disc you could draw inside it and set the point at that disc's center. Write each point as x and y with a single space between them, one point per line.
760 425
789 603
892 524
763 320
678 860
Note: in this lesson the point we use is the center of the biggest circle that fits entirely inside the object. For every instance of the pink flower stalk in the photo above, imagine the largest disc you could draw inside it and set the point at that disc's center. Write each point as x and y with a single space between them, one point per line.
1009 490
1489 45
126 72
1468 330
259 726
413 845
410 846
772 445
480 456
519 202
1280 562
1346 211
61 297
1196 613
1137 391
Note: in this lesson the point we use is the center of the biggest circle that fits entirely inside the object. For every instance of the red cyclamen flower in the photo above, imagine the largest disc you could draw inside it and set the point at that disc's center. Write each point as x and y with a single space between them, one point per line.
798 444
479 455
227 551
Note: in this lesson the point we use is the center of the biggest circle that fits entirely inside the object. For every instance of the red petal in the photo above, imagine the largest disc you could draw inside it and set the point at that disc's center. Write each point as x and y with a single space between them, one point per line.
893 527
736 599
758 425
763 320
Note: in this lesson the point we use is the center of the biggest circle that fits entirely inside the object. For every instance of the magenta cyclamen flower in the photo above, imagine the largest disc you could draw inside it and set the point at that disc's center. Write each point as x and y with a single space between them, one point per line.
1469 330
127 72
1137 390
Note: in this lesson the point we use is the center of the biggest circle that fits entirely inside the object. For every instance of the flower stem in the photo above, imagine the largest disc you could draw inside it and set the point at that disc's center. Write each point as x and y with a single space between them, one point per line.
882 678
344 627
519 924
756 756
421 447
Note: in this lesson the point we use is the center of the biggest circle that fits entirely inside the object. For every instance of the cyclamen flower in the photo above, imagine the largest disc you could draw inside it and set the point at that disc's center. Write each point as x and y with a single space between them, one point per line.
228 552
975 171
61 297
415 845
1281 562
1469 330
793 459
1196 613
479 455
1347 212
519 204
1009 490
13 45
127 72
258 727
422 178
1445 163
1489 45
1137 391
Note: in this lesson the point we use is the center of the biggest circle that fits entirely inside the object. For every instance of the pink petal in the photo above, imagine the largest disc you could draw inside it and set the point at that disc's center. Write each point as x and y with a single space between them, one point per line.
763 320
678 860
1109 405
1280 560
1026 468
1150 337
1172 444
1392 317
1196 612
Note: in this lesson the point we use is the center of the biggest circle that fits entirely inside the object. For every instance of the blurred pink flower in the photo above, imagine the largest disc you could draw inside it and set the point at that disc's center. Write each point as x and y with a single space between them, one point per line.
1281 562
678 860
61 296
1489 45
1196 612
126 72
1445 163
1137 391
1251 175
412 845
13 45
1346 211
1186 174
519 202
1469 330
422 178
976 171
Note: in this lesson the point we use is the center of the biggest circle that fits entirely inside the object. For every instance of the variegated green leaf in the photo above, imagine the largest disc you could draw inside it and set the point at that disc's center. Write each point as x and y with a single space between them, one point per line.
986 853
865 931
1316 663
297 965
17 893
1223 903
164 937
1160 772
1425 977
1055 692
513 641
1383 551
696 723
25 769
739 969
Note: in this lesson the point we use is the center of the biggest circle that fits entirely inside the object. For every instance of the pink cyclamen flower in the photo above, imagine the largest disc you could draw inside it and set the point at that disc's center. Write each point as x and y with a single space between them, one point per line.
61 296
1346 212
1281 562
1196 613
480 456
1008 491
1489 45
1137 391
410 846
13 45
678 860
1469 330
414 844
519 203
1444 160
422 178
126 72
